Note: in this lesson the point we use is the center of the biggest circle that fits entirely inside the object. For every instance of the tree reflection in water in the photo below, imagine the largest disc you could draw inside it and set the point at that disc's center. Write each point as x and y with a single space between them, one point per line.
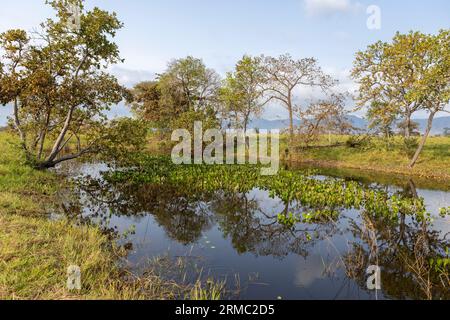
403 247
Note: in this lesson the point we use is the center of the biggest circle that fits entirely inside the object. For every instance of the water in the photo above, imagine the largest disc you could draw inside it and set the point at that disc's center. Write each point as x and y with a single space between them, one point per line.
236 237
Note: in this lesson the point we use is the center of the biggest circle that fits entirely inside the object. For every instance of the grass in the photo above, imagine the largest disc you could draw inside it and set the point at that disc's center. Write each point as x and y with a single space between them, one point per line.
35 252
332 152
434 162
23 190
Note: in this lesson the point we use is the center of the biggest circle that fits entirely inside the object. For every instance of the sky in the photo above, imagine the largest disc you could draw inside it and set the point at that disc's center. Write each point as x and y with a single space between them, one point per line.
221 32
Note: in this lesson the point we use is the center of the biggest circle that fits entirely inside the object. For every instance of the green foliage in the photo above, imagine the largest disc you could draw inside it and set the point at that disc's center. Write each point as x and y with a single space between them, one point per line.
325 197
288 220
358 142
59 85
186 92
410 146
444 212
399 78
124 138
242 93
441 264
284 75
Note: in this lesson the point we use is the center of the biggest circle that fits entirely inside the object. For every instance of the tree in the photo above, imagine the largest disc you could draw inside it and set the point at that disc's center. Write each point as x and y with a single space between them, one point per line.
408 128
407 75
284 75
145 103
242 93
324 116
186 90
433 87
385 73
56 80
381 120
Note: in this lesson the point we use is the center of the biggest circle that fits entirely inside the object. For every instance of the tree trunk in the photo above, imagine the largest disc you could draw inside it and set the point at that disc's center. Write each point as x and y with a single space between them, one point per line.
52 163
60 139
18 126
291 122
247 142
45 165
408 126
424 140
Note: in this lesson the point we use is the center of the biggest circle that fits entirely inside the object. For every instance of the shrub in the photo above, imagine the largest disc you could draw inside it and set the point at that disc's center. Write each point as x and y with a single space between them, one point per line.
410 146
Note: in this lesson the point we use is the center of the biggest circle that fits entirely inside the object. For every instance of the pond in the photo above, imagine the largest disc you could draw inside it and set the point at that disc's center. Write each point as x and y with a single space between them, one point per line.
251 237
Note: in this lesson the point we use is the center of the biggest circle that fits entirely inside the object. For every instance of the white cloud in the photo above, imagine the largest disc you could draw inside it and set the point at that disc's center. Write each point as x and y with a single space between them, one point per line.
327 7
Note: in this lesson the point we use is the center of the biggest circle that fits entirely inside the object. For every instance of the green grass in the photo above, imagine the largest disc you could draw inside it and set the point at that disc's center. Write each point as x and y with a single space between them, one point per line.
35 252
434 162
332 152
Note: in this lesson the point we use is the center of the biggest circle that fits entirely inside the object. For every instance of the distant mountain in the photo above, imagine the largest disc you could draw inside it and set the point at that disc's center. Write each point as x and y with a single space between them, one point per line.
439 124
120 110
271 124
116 111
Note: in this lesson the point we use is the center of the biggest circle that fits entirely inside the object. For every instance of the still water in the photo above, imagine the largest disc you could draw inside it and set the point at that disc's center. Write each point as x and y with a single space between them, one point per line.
237 238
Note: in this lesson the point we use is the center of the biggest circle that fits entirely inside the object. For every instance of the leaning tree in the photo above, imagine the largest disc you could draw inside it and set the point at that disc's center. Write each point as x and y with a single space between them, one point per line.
56 79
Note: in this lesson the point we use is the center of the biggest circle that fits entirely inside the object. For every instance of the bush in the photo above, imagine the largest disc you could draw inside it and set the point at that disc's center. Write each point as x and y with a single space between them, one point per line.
410 146
358 142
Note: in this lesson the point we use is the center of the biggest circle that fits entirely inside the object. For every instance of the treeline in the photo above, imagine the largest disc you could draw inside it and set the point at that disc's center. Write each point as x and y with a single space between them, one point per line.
396 80
57 79
188 91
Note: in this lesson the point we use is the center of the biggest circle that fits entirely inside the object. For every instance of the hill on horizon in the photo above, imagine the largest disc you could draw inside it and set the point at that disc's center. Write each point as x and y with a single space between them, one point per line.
439 124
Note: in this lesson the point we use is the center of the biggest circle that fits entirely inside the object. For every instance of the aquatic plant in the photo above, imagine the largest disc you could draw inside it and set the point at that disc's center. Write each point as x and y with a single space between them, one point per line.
321 198
444 212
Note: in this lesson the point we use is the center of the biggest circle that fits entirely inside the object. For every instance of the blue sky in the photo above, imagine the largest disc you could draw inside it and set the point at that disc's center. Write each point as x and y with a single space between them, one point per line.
220 32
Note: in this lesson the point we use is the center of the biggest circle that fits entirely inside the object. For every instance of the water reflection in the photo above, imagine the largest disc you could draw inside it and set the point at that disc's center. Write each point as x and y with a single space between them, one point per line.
334 253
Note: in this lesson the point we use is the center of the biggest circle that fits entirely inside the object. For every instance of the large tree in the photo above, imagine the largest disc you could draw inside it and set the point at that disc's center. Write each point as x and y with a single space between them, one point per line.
285 74
56 80
410 74
186 90
192 82
145 102
385 80
243 93
325 116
